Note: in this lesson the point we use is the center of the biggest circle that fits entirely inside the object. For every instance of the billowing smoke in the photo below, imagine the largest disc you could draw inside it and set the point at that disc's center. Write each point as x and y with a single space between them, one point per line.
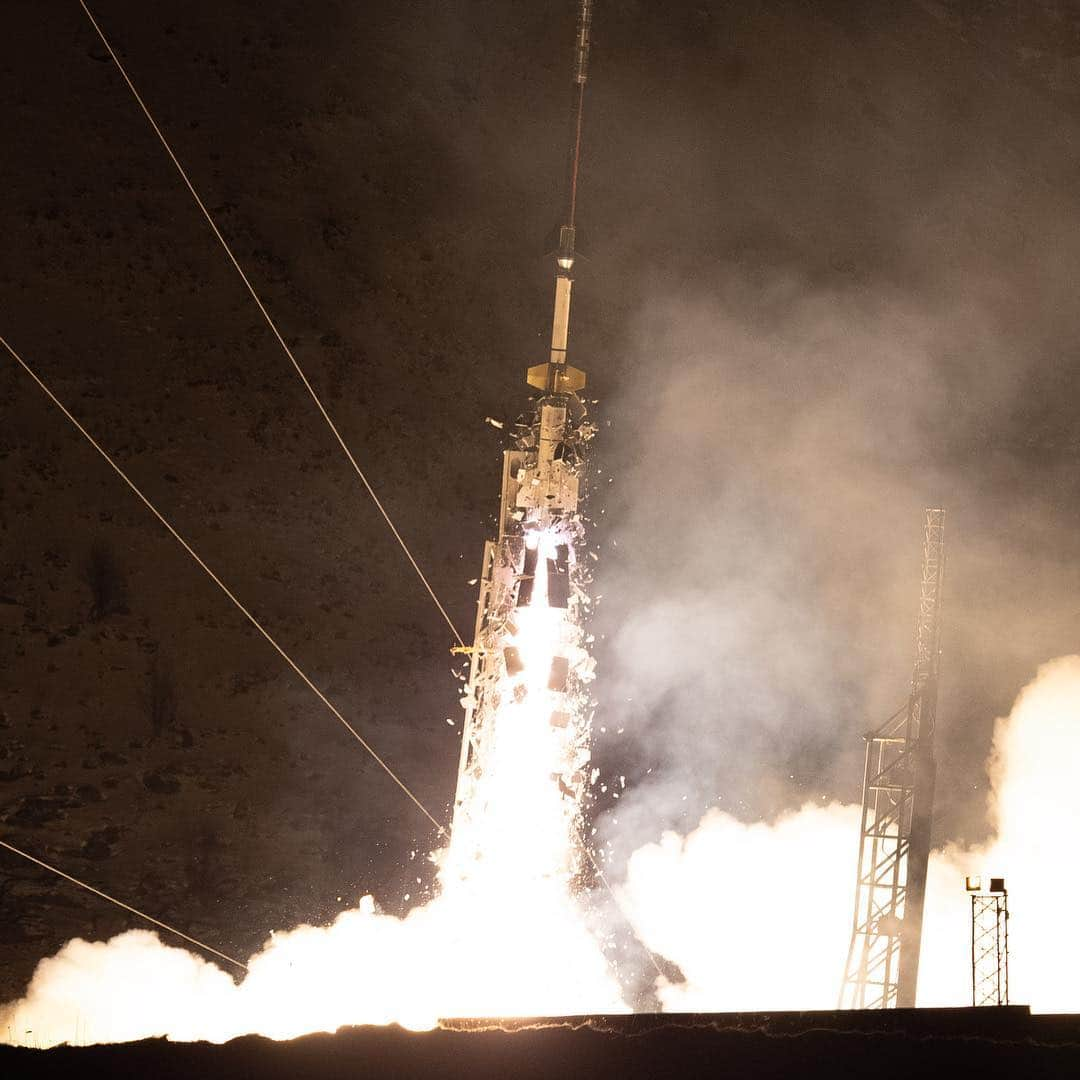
469 952
756 916
759 916
772 453
760 615
1035 818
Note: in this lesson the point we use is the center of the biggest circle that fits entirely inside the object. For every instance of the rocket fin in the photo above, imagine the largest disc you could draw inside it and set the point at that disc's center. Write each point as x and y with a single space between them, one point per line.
556 378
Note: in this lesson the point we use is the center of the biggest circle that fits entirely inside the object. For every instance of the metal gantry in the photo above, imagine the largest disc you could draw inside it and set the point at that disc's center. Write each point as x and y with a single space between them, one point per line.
990 945
898 795
542 483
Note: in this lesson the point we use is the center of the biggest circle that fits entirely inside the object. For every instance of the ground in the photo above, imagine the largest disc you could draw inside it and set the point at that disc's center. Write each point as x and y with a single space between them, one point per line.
781 1045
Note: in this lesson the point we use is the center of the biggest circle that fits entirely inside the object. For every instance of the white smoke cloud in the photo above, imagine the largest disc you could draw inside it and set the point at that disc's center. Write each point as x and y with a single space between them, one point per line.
130 987
759 916
1036 819
756 916
466 953
763 541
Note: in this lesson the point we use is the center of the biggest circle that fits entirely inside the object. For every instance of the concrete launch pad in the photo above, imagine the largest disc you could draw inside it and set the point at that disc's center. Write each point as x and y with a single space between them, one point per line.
980 1043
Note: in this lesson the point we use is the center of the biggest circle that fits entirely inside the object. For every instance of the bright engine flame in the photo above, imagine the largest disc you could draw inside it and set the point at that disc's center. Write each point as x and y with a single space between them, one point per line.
756 916
506 934
520 820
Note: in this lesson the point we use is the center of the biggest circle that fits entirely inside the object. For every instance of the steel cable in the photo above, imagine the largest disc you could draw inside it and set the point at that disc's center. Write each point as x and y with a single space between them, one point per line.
273 326
120 903
222 586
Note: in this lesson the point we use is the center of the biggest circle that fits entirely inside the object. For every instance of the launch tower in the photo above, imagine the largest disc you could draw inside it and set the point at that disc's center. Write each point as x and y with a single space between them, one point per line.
898 797
527 661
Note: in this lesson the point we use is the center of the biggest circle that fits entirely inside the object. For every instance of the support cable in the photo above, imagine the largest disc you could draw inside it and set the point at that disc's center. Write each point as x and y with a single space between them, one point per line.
120 903
273 326
224 588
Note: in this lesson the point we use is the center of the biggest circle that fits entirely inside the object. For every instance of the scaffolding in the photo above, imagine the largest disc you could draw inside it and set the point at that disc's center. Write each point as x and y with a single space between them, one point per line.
882 966
989 944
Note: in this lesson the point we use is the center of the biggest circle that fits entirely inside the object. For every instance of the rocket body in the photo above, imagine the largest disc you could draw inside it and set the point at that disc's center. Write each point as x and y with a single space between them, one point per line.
531 571
528 666
526 734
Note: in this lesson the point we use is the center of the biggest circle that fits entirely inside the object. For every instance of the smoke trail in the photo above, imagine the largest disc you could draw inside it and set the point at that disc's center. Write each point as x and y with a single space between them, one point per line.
756 916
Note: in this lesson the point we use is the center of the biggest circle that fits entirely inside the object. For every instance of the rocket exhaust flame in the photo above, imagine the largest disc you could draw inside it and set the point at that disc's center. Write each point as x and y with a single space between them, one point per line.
528 780
756 916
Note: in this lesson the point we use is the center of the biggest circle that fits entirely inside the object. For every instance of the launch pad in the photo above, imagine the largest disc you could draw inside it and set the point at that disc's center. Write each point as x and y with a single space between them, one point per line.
1008 1022
879 1042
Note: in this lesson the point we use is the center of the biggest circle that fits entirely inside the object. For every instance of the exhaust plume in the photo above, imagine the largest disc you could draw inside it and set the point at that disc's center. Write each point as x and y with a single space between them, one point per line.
759 916
756 916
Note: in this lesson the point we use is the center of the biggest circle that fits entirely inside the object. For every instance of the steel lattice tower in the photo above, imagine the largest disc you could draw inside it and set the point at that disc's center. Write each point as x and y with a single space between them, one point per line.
990 946
882 967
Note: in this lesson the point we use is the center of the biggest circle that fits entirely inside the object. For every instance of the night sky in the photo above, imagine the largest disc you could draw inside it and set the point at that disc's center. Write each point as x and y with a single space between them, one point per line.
831 280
